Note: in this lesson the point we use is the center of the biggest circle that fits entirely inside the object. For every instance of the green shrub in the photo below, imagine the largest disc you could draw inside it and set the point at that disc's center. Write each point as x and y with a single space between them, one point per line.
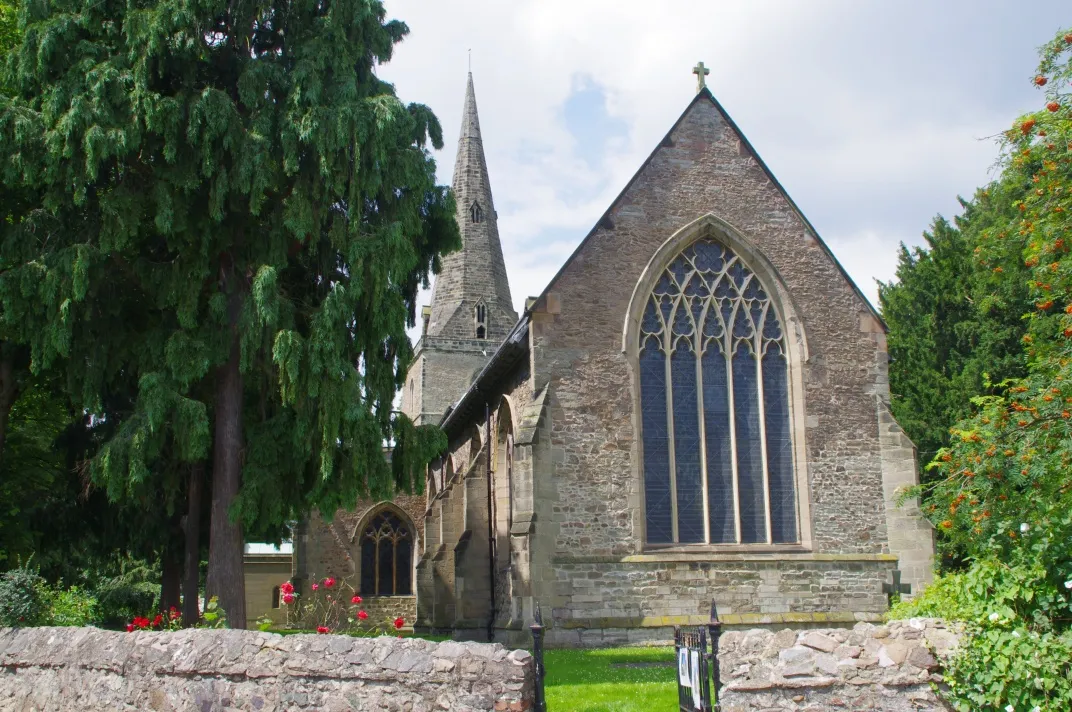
71 607
23 600
998 667
1017 648
133 591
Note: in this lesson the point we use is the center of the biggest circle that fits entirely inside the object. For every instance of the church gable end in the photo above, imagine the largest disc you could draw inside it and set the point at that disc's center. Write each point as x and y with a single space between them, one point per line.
790 468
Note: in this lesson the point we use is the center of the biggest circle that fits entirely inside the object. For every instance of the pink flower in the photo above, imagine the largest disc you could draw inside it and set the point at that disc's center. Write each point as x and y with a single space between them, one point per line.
322 629
329 582
287 587
355 600
315 586
288 598
362 615
399 623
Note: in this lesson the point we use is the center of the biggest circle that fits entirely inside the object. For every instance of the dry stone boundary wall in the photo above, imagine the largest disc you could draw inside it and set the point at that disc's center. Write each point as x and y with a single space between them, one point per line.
229 670
890 668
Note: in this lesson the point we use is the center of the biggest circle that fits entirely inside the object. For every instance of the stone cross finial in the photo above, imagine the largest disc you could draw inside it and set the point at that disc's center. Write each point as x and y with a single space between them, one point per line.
896 588
700 71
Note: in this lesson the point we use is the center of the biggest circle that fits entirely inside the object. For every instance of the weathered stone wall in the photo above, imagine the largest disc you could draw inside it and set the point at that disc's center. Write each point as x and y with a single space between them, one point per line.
333 548
593 501
883 668
97 671
601 599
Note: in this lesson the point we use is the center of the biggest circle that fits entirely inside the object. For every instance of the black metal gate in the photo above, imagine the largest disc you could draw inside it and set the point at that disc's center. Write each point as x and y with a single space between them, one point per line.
696 652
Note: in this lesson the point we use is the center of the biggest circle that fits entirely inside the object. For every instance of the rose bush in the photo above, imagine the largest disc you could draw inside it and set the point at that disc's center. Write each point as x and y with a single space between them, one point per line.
326 610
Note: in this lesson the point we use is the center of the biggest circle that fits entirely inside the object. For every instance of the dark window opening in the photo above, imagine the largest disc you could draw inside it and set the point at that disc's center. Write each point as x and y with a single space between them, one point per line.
476 213
386 557
481 318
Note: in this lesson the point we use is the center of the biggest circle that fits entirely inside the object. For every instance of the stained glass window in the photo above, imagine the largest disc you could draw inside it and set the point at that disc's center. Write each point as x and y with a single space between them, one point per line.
714 396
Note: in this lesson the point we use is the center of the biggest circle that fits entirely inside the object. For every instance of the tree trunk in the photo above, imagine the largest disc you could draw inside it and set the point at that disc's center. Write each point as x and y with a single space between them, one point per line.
170 579
191 613
9 393
225 576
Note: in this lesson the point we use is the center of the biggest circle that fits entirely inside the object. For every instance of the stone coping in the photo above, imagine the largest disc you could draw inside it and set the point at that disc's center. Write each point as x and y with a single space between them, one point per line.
728 619
714 556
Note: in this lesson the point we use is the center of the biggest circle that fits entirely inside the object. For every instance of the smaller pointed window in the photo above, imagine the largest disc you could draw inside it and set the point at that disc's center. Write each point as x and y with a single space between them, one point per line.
476 213
480 318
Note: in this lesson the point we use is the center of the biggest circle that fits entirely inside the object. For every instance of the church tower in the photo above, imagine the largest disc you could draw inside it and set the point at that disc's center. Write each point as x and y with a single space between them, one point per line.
471 311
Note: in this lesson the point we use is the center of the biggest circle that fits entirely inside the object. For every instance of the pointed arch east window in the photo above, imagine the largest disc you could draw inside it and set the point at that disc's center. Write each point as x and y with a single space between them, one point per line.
386 556
714 403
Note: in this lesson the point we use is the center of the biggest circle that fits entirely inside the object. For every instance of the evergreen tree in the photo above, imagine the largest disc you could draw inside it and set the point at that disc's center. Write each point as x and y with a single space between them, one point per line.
955 324
235 215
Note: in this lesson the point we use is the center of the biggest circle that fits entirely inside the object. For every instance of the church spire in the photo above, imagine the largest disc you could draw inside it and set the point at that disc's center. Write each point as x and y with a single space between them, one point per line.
471 295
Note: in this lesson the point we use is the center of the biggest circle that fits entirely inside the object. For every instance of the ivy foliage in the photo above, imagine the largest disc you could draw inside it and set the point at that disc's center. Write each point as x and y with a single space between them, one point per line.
216 181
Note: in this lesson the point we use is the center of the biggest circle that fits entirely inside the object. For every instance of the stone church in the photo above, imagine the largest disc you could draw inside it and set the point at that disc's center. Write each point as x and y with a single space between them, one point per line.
696 408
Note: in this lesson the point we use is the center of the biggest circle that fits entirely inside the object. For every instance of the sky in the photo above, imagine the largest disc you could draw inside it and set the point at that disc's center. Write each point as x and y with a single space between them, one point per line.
873 116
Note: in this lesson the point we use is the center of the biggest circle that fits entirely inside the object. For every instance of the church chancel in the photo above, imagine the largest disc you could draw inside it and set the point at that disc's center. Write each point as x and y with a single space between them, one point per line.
695 408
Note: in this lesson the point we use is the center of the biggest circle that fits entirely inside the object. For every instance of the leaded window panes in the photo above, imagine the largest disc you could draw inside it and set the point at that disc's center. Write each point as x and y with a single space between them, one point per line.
386 556
714 398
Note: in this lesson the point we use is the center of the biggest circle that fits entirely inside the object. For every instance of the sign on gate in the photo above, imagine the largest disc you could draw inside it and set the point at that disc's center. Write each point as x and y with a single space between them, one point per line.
696 665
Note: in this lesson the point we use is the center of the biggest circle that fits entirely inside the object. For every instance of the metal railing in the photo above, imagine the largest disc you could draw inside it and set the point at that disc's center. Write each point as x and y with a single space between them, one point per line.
537 653
696 652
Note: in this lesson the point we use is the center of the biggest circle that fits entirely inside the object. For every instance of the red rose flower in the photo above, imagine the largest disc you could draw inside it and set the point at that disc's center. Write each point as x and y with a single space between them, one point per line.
174 614
287 587
355 600
329 582
288 598
362 615
322 629
141 622
315 586
130 627
399 623
158 620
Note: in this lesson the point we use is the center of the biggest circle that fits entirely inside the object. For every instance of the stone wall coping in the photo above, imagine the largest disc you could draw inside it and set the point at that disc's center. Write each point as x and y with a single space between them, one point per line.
713 556
728 619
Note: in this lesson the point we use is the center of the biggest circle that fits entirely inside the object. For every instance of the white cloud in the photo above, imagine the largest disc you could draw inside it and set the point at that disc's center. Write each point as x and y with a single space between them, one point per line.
871 116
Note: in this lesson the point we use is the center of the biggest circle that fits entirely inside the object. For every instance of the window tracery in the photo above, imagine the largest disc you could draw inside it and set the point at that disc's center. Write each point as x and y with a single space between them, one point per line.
714 406
386 556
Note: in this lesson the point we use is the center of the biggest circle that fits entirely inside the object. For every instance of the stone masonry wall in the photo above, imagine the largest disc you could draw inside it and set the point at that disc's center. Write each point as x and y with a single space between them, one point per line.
97 671
334 548
598 601
594 503
881 668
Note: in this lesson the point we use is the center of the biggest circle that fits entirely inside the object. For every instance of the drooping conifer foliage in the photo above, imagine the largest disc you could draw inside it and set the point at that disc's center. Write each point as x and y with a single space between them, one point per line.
232 217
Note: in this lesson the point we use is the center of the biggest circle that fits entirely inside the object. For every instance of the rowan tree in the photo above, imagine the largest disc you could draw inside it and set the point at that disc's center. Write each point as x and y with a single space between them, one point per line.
236 213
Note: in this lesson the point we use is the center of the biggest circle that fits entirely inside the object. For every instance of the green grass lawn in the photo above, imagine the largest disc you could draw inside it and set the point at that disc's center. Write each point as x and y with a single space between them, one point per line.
594 680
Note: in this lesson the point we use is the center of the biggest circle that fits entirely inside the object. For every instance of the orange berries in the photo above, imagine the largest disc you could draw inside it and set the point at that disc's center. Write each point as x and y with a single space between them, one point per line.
1040 80
1025 128
947 524
1051 106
